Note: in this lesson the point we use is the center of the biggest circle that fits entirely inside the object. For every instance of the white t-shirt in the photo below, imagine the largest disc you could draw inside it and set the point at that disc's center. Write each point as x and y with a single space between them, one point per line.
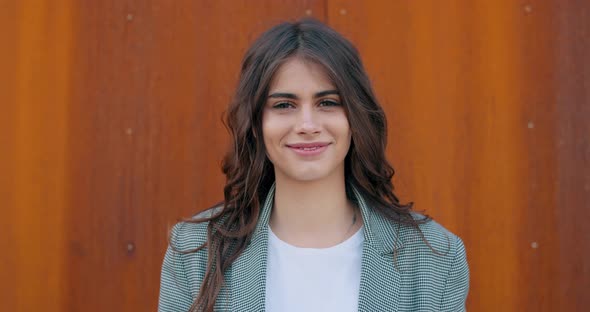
313 279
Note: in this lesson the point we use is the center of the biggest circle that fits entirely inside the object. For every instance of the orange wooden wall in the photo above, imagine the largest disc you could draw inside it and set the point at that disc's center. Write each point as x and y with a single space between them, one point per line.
110 131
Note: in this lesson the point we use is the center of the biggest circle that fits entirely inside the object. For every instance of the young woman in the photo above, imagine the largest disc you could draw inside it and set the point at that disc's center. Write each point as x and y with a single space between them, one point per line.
309 220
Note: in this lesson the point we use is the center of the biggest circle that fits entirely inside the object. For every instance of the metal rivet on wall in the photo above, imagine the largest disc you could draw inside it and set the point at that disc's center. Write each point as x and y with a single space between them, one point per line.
130 247
129 131
535 245
528 8
531 125
129 17
308 12
342 11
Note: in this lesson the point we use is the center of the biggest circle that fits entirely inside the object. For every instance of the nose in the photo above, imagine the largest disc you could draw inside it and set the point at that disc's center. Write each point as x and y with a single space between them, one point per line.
307 121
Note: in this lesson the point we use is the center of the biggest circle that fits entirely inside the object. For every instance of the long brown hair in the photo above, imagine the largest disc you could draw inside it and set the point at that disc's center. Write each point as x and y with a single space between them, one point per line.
249 174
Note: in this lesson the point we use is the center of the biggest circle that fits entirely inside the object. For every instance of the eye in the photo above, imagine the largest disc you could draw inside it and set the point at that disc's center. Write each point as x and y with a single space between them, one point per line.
282 105
327 103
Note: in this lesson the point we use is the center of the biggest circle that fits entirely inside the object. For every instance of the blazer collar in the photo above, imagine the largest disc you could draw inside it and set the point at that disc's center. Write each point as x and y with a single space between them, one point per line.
380 233
248 273
379 279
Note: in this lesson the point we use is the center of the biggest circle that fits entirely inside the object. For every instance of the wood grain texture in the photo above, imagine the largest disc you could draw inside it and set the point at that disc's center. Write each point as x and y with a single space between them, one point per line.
152 82
110 131
35 118
473 105
572 151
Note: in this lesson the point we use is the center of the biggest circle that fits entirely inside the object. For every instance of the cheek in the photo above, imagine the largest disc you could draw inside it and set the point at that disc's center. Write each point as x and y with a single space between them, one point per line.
342 127
344 132
272 132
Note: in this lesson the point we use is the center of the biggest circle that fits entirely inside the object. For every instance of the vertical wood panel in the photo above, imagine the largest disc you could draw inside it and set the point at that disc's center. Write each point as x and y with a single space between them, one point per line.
470 93
7 156
152 82
572 207
37 182
538 248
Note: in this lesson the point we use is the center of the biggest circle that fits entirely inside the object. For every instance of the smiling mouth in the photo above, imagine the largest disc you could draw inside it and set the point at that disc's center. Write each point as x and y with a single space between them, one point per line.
308 149
308 146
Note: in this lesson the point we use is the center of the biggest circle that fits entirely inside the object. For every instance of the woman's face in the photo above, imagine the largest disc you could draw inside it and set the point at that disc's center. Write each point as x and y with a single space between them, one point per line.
305 129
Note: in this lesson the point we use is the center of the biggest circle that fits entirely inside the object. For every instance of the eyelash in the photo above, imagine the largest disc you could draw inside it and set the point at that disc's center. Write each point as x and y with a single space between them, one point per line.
281 105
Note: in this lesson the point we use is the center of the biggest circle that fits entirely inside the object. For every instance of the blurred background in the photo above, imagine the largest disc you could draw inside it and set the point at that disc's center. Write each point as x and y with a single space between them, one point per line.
110 131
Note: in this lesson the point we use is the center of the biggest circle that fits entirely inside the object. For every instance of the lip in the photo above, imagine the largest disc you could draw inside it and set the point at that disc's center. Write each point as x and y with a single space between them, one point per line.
308 149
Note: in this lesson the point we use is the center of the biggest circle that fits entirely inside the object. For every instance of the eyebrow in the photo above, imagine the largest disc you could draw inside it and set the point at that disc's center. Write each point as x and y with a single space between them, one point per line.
292 96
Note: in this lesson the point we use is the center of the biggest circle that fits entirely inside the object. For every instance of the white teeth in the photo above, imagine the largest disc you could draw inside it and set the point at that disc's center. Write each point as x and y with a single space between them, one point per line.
309 148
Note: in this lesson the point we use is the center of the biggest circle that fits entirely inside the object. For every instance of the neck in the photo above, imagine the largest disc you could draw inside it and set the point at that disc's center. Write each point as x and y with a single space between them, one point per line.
313 214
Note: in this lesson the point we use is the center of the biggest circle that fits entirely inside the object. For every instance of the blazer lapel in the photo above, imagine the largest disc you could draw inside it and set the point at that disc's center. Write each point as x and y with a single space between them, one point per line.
380 279
248 272
379 289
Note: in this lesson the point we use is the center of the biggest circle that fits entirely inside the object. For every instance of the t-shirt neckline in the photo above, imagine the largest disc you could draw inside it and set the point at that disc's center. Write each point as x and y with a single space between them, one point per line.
350 243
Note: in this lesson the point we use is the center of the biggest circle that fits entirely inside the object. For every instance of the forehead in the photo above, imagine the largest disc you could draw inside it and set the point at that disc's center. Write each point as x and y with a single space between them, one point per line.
299 75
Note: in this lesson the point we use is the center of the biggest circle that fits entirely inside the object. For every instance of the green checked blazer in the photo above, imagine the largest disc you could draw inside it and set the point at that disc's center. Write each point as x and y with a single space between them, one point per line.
417 280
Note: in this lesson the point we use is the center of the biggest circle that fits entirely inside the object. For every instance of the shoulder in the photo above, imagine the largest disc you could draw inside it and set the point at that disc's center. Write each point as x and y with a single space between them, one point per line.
439 237
187 235
184 267
438 259
433 244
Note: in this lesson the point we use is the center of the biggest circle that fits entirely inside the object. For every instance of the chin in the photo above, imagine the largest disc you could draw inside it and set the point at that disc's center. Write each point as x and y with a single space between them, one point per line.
307 178
308 174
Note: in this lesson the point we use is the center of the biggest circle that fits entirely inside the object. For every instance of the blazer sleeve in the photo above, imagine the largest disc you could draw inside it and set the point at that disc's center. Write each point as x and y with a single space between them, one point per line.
457 283
174 290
